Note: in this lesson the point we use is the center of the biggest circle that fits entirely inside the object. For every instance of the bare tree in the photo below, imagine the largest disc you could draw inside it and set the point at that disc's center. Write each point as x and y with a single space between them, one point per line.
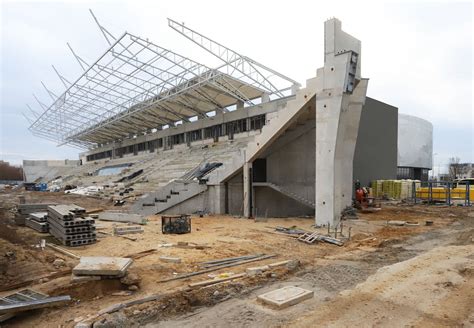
454 167
10 172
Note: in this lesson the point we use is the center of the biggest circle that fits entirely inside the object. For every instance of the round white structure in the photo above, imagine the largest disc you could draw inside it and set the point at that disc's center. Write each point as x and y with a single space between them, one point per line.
415 147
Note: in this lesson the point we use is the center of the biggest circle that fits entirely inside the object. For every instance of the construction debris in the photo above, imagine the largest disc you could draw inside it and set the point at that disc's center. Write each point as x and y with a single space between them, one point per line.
290 231
141 254
25 300
227 265
68 224
214 263
311 238
257 270
216 280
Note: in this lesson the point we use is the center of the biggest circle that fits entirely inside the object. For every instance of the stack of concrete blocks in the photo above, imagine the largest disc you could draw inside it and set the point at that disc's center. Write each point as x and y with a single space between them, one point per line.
24 210
38 221
69 224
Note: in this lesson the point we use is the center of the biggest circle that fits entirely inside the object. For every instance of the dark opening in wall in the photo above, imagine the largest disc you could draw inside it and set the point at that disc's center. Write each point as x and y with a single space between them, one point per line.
260 170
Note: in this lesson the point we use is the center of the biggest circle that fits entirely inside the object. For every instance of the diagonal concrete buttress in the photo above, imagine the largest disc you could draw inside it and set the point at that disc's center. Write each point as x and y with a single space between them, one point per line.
340 95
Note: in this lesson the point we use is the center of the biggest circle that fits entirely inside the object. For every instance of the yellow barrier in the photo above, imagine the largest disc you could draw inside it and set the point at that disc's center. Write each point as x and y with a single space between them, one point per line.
441 193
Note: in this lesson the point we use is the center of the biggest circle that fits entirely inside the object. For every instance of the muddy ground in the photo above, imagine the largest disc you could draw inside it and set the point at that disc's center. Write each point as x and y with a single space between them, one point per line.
384 276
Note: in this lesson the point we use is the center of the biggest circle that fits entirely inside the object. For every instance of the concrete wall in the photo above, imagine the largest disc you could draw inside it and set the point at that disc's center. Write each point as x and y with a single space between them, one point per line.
375 155
291 161
415 142
46 170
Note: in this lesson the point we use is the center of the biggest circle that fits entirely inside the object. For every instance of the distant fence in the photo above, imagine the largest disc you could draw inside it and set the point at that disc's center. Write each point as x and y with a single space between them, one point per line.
443 192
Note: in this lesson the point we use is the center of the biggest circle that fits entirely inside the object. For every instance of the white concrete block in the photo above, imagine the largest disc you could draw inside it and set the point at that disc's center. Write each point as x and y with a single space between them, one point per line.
286 296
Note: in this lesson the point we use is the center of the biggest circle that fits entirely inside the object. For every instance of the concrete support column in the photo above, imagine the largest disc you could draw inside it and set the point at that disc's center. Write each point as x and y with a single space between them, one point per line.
113 150
265 98
240 104
246 192
219 199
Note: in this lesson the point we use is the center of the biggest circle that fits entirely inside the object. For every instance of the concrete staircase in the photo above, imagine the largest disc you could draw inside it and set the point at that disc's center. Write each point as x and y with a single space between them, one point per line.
285 192
166 197
270 132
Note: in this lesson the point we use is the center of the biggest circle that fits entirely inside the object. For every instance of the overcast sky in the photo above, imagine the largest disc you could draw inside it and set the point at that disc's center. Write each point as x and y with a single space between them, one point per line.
418 56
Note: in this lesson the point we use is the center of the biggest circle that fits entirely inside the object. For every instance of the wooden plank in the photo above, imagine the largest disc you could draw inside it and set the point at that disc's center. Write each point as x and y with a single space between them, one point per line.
63 251
187 275
216 281
142 253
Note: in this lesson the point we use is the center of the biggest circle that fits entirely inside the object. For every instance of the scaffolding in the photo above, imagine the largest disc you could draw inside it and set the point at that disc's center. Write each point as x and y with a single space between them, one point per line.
137 86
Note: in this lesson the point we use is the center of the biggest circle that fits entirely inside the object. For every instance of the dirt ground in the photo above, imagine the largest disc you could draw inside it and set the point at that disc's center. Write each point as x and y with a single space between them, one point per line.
384 276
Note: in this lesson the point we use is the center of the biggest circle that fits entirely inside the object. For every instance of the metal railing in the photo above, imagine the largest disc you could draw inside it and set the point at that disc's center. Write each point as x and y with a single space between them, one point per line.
442 192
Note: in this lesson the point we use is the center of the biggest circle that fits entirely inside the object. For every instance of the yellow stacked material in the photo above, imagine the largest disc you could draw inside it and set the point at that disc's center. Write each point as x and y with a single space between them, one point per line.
397 189
389 188
377 188
441 193
406 189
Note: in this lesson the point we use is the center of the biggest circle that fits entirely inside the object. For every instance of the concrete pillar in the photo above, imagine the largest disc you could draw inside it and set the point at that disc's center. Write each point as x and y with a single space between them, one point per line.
219 199
240 104
246 192
339 99
113 150
265 98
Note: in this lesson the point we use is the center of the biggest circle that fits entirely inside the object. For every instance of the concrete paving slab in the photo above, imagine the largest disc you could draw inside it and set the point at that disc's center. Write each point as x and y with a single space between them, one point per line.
286 296
102 266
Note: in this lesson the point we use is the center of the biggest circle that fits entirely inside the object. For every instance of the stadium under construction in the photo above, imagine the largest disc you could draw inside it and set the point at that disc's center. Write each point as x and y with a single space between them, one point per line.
240 138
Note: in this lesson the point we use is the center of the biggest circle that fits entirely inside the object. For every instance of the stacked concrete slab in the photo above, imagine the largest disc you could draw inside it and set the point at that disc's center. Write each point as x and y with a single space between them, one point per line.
24 210
38 221
69 224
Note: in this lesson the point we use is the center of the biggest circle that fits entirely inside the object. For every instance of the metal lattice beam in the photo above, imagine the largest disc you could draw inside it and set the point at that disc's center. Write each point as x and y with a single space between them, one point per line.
136 85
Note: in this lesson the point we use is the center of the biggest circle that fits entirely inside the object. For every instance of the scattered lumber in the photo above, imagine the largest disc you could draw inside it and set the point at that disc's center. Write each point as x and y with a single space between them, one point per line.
94 210
214 263
129 238
142 253
191 274
216 281
311 238
63 251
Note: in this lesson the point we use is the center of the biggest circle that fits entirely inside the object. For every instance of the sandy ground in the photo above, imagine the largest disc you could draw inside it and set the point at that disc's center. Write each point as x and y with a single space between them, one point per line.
385 276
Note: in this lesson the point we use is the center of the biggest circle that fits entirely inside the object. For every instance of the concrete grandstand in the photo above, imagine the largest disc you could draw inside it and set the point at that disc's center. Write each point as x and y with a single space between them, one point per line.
240 139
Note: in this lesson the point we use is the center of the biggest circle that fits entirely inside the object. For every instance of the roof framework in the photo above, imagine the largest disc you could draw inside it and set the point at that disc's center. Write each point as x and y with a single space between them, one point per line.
136 86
